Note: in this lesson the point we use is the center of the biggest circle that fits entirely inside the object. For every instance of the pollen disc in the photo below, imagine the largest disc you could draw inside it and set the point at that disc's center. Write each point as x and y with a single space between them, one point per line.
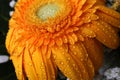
47 11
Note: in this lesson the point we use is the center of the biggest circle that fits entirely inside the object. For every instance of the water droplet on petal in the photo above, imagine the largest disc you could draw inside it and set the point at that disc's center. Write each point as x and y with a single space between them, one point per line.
61 63
30 64
19 73
75 53
74 65
68 58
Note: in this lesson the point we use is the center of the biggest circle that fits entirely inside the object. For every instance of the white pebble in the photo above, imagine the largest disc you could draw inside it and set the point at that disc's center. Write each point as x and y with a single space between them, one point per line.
3 58
68 79
113 73
12 3
11 13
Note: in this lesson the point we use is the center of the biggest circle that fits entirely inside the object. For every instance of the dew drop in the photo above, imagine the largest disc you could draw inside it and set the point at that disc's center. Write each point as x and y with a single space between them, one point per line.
74 65
81 59
89 20
109 36
42 64
30 64
63 53
97 29
54 56
114 40
87 55
68 58
104 40
84 71
73 47
53 76
75 53
61 63
103 29
98 24
91 65
76 69
19 73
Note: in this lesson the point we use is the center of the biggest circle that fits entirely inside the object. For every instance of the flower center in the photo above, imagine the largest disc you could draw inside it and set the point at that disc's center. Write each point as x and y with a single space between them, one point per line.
47 11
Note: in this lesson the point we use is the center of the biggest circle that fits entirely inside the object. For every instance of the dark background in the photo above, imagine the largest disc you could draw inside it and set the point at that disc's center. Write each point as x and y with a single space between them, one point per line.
6 69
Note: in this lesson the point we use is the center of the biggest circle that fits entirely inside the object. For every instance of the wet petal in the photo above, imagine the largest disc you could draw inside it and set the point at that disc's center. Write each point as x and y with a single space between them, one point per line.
66 63
79 53
18 64
95 52
44 67
109 19
29 66
105 34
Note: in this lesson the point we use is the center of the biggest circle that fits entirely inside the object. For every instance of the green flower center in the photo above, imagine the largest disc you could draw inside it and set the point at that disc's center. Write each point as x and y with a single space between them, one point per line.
47 11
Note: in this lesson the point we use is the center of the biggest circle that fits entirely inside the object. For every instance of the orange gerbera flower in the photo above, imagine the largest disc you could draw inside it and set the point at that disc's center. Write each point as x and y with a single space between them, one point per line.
67 34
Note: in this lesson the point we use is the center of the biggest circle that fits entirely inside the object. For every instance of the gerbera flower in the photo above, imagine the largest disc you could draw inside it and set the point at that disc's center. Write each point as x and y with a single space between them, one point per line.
45 35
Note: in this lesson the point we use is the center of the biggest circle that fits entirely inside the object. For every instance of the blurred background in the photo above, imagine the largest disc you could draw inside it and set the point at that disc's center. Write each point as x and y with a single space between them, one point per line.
109 71
6 67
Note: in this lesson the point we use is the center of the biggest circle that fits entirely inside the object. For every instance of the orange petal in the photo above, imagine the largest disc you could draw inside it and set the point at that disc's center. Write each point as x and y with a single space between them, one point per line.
59 41
29 66
66 63
105 34
109 19
65 39
8 40
100 2
79 53
109 11
88 4
50 68
80 37
80 3
44 49
86 31
44 67
12 42
18 64
95 52
72 38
